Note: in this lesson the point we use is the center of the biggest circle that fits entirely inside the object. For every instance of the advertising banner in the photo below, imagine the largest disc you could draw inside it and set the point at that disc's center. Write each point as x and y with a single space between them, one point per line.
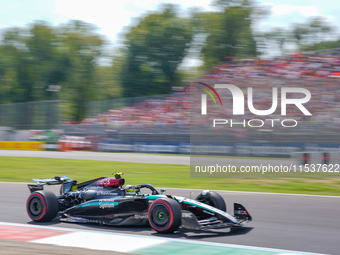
32 146
282 150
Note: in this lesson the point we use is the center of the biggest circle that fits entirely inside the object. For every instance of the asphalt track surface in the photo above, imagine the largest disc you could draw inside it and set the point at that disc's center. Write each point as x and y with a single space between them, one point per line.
135 158
290 222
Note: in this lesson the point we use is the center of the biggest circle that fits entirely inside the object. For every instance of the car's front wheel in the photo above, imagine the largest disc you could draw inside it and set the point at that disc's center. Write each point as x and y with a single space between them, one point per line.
165 215
42 206
213 199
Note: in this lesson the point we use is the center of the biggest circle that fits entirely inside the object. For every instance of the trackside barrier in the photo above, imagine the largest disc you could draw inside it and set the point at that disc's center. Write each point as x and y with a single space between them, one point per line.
32 146
175 148
316 157
298 151
52 146
326 159
64 146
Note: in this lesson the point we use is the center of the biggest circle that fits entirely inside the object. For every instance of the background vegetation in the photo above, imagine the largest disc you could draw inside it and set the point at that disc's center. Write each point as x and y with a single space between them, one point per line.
149 61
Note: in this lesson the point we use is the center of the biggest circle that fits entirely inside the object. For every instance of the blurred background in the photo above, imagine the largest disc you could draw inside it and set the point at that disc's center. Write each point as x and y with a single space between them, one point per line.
115 76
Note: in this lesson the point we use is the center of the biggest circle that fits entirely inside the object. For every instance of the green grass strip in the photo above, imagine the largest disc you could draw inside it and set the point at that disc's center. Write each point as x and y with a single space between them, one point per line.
23 169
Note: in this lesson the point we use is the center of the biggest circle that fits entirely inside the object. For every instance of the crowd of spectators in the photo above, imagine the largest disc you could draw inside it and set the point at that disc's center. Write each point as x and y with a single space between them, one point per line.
295 66
171 111
319 73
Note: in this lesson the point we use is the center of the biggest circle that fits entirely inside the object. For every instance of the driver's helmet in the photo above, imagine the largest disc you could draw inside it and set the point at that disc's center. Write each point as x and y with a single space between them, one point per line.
130 190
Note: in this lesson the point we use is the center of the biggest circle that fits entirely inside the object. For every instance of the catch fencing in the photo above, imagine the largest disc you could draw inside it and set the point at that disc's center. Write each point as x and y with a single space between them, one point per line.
42 115
30 115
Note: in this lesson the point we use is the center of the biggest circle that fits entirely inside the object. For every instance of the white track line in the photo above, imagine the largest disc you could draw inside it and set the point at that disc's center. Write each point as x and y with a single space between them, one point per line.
262 193
99 241
79 240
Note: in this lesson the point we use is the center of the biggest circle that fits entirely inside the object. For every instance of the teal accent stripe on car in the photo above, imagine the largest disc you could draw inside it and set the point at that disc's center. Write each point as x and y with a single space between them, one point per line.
155 197
96 203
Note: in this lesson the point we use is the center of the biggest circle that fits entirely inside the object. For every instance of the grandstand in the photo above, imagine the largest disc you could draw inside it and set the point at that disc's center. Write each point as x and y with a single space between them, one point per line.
167 118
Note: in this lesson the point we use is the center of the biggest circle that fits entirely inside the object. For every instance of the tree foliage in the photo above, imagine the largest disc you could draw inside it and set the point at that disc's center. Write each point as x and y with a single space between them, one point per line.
82 46
229 31
154 50
41 55
313 31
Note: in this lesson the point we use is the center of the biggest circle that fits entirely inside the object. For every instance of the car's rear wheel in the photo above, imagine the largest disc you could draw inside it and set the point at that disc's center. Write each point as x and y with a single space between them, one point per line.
42 206
165 215
213 199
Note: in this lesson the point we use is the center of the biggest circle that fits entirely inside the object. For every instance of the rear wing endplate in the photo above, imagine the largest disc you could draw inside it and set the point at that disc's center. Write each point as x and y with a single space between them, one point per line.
49 181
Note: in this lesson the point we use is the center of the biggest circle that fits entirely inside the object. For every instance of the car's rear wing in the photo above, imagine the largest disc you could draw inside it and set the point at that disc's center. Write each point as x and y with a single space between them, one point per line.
49 181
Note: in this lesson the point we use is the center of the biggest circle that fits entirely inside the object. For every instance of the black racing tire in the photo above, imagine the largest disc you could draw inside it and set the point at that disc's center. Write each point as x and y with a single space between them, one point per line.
42 206
213 199
165 215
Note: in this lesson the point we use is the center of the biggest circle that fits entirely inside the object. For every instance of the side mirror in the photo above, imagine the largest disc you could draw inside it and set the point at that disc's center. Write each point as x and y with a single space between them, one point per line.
163 190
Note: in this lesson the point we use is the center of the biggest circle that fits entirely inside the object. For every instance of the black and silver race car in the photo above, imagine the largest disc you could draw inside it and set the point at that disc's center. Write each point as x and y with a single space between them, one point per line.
106 201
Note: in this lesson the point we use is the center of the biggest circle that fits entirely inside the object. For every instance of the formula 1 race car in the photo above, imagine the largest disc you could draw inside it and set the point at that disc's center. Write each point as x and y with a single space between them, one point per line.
106 201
